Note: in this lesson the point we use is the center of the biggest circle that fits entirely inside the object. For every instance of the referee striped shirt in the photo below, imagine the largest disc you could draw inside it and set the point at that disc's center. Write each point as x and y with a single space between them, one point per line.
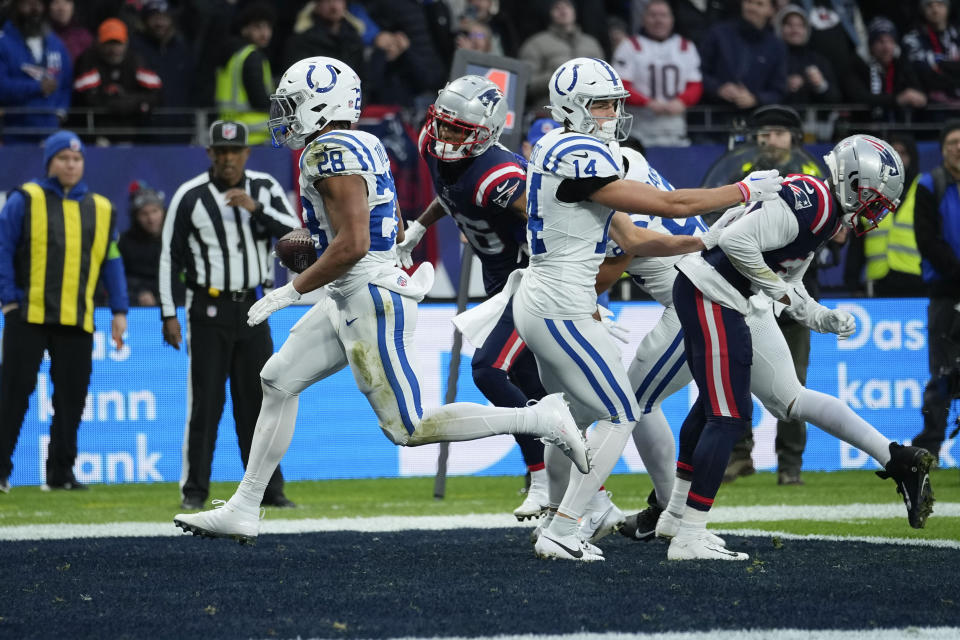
217 246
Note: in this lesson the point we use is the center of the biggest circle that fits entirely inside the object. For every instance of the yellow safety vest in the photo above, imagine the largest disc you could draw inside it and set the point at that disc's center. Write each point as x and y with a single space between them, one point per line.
232 99
807 168
64 244
893 245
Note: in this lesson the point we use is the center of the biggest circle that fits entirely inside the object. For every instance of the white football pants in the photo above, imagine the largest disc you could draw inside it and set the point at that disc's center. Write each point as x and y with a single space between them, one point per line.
372 330
659 370
579 358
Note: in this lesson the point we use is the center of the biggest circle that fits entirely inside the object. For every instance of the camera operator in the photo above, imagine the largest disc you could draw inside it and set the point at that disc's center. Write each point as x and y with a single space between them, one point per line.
937 224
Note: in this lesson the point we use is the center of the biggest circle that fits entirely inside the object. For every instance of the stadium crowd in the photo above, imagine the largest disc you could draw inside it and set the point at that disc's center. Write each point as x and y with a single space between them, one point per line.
151 63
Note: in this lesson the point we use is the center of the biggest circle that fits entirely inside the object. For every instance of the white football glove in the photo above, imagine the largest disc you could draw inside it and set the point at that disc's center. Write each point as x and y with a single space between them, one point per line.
273 301
613 327
803 308
839 322
761 185
819 318
712 235
411 237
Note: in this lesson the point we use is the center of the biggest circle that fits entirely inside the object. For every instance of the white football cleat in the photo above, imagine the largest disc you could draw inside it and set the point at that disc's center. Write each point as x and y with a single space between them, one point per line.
694 543
223 521
601 518
565 548
556 426
669 524
533 505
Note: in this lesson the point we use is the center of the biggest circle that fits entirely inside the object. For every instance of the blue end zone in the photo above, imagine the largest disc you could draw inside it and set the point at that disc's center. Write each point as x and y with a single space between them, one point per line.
456 582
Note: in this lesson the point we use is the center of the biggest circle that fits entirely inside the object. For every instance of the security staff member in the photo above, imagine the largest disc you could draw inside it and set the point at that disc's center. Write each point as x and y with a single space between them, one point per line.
217 236
56 240
938 239
244 83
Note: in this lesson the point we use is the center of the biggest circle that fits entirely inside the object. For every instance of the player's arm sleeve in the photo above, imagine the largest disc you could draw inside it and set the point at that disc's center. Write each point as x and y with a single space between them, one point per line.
500 186
770 227
174 250
573 190
274 210
11 229
795 274
585 166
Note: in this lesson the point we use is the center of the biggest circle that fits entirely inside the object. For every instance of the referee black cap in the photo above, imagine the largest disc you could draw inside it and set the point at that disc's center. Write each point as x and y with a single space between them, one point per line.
226 133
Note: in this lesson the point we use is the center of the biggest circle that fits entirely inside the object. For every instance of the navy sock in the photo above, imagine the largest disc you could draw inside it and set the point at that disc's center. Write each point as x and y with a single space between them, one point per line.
710 459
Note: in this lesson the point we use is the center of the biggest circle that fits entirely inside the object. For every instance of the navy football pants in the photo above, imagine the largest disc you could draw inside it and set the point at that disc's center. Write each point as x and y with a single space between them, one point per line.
719 352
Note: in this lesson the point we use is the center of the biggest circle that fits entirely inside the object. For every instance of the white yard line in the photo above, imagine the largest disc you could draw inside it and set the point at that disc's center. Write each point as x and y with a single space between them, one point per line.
719 515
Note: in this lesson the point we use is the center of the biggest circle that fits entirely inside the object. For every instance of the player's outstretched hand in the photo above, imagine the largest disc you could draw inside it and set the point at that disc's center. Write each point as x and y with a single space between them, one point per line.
760 185
613 327
411 237
273 301
839 322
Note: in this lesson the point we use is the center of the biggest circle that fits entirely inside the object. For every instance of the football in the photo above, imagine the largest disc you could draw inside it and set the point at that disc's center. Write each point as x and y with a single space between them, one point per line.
296 250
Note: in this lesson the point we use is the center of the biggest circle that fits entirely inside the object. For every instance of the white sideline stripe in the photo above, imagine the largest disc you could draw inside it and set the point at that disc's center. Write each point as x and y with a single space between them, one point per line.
493 521
914 542
906 633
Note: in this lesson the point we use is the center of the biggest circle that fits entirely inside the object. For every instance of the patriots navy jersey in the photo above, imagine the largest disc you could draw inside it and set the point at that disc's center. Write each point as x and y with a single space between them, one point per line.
818 218
477 193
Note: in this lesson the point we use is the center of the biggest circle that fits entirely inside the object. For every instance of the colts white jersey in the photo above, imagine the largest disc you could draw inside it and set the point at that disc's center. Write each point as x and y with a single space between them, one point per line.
346 152
567 241
655 275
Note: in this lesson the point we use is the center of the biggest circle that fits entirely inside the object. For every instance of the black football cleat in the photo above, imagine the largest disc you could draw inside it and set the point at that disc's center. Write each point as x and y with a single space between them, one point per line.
643 525
910 469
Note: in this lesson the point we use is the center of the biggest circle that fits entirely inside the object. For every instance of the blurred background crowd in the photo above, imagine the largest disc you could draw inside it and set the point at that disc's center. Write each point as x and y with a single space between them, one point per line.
161 70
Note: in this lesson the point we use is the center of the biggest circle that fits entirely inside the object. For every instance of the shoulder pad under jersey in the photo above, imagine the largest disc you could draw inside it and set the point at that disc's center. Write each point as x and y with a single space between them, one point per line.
343 152
574 155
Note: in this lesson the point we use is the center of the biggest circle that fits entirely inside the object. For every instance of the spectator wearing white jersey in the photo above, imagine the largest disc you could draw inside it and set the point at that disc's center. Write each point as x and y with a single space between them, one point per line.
661 69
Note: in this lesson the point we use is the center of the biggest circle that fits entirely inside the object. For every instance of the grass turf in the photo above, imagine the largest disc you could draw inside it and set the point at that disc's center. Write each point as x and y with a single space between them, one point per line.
414 497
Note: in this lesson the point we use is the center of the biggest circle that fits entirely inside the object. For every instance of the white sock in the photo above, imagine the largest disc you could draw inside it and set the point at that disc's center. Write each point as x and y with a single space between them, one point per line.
460 421
538 481
678 497
561 527
271 439
657 449
558 473
695 518
839 420
606 441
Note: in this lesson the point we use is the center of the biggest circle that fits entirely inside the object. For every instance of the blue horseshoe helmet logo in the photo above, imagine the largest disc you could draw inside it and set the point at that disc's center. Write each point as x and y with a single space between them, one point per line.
573 83
317 88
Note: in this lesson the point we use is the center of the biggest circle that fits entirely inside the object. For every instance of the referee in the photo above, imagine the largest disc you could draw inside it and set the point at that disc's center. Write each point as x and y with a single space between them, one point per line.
217 238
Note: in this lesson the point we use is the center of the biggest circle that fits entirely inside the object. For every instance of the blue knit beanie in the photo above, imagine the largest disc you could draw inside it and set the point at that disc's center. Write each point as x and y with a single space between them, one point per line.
58 142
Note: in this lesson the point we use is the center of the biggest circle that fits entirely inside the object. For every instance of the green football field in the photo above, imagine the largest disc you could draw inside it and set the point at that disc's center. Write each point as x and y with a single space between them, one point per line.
866 494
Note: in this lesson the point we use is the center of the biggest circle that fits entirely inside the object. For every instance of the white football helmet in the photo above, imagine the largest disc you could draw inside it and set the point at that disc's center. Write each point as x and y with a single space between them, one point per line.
312 93
470 108
576 85
866 176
